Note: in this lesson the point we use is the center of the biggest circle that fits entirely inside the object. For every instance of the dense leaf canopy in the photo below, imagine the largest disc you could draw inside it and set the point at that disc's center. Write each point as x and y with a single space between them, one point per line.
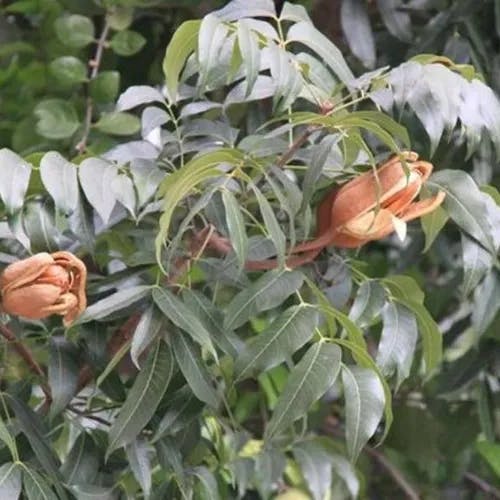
239 341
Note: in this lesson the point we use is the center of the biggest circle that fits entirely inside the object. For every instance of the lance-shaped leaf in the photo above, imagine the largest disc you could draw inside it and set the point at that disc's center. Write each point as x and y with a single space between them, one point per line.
9 440
96 176
432 223
476 263
397 341
368 303
354 333
147 329
486 301
269 467
36 486
138 95
81 465
81 223
307 382
236 226
183 407
249 48
364 406
346 471
267 292
63 373
238 9
15 178
358 31
191 364
396 20
465 204
305 33
211 37
182 316
315 466
208 483
432 340
10 481
285 335
286 75
138 457
93 492
404 287
213 319
182 44
317 457
32 427
295 13
178 184
272 225
59 177
363 359
263 88
387 130
491 454
320 156
491 199
200 204
143 398
114 302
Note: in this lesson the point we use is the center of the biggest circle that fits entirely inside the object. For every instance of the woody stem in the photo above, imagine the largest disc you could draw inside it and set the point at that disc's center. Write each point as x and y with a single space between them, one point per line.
125 332
24 353
296 144
95 64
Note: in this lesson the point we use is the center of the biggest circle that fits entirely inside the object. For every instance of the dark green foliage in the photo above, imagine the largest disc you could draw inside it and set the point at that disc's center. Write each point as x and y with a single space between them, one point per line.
143 135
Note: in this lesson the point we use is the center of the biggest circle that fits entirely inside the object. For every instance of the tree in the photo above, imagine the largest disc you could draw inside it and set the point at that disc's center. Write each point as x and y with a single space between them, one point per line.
239 341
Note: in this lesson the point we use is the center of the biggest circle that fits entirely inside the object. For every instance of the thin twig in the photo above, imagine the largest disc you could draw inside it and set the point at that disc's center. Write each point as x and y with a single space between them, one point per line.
197 247
331 426
123 334
399 479
24 353
95 64
487 488
88 415
84 377
296 144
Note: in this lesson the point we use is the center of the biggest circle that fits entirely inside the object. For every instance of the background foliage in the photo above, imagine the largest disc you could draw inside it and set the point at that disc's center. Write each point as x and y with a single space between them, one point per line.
211 381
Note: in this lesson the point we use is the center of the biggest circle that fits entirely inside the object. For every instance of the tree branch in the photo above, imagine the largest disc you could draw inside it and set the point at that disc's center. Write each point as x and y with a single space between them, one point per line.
86 414
124 333
24 353
325 108
331 427
95 64
395 473
481 484
197 246
296 144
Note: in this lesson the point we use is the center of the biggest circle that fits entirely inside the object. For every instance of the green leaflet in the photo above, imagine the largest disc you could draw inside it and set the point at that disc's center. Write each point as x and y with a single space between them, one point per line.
143 398
181 182
182 43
